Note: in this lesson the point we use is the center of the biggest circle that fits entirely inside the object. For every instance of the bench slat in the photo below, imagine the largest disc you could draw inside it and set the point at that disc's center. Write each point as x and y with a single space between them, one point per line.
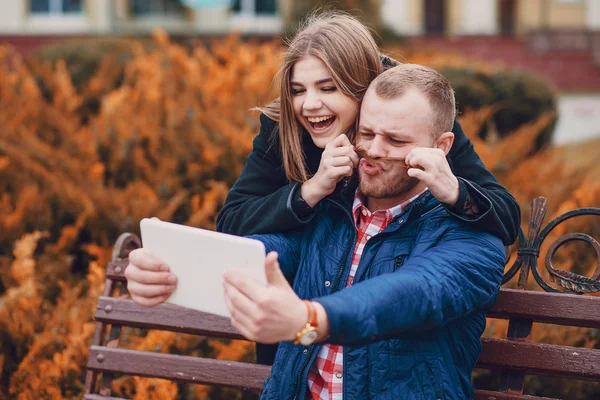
536 358
490 395
167 317
178 368
563 309
552 308
100 397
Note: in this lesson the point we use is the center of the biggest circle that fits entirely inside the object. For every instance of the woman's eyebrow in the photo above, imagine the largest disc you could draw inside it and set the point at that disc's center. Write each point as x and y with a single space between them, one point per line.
325 80
319 82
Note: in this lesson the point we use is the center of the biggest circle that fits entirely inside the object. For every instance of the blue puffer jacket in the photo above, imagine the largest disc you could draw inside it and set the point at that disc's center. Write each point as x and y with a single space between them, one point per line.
411 323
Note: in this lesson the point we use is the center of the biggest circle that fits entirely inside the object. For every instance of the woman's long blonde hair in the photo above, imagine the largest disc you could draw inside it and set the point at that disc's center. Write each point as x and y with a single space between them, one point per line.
351 55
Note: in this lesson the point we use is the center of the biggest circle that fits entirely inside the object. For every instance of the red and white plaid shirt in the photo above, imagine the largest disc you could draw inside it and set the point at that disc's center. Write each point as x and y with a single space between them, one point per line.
326 376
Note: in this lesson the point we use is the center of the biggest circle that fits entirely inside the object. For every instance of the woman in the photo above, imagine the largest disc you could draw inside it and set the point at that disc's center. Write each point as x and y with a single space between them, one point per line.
304 147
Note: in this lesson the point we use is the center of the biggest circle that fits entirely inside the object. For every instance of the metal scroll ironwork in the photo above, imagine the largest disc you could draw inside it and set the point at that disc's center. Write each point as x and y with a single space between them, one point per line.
529 252
512 381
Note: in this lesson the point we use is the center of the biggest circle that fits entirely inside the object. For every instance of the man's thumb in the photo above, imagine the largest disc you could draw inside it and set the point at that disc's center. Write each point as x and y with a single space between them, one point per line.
274 275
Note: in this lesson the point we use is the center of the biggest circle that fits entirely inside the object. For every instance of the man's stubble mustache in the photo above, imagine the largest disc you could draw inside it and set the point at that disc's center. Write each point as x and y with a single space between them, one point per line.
386 189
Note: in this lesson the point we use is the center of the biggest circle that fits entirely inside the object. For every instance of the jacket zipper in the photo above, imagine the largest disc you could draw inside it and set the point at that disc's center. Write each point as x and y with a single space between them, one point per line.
399 262
301 370
335 289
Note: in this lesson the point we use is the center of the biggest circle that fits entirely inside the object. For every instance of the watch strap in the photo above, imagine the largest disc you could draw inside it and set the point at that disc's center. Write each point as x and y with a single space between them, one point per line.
312 313
311 324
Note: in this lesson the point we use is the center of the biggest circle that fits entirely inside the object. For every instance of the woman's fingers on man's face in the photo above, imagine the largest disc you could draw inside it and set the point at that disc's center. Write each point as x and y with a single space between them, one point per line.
354 157
341 140
346 151
344 141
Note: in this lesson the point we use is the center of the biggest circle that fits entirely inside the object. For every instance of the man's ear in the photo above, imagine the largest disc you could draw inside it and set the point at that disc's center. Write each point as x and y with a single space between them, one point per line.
444 142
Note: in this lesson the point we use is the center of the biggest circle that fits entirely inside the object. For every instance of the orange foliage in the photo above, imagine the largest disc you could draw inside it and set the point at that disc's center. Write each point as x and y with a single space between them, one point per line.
169 141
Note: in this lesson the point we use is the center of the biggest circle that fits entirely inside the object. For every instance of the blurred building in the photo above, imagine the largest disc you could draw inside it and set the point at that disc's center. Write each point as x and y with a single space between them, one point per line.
494 30
551 37
406 17
68 17
489 17
556 39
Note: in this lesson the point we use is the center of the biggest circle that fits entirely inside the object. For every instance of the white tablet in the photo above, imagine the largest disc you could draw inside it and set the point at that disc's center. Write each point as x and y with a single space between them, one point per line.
199 257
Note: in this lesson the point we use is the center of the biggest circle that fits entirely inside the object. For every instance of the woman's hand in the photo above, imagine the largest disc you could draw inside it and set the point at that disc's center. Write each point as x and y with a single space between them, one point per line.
149 280
338 161
431 167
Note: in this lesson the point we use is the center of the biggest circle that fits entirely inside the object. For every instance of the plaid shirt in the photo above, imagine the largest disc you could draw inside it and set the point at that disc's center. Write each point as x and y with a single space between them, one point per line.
326 376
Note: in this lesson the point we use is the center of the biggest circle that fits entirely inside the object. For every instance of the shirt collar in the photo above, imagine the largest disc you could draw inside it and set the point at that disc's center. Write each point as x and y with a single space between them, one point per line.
358 207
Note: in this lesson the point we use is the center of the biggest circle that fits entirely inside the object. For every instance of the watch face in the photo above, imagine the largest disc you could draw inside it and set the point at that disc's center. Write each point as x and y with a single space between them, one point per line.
308 338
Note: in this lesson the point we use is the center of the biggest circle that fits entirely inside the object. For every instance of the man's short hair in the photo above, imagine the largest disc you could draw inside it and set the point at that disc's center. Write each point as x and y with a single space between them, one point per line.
396 81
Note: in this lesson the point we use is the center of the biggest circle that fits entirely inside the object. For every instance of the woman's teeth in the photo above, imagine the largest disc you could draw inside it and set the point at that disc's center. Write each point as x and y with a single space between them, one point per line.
320 123
319 119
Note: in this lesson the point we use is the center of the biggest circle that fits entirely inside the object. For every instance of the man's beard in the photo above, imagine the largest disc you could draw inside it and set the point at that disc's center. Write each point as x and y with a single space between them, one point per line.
386 184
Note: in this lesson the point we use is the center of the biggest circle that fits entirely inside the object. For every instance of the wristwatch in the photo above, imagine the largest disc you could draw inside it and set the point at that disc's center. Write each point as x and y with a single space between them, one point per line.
309 333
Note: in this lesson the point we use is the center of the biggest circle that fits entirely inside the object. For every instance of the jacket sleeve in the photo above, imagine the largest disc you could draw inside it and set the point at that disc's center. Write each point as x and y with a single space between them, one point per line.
460 275
260 201
500 212
287 246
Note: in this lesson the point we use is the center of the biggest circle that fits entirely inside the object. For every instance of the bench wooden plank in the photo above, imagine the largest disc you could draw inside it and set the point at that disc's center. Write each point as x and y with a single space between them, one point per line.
178 368
552 308
100 397
167 317
490 395
563 309
536 358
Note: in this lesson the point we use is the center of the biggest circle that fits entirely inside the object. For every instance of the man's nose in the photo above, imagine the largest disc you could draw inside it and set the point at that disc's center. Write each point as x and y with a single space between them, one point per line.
377 147
312 101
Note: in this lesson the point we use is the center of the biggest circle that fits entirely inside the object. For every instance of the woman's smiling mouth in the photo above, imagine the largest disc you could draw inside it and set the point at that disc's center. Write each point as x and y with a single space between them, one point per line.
321 123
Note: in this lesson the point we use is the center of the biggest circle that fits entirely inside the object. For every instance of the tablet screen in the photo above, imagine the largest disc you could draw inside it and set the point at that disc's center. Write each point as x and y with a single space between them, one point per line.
199 257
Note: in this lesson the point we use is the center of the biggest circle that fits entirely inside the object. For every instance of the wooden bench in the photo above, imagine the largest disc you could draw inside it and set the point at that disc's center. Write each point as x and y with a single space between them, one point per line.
512 358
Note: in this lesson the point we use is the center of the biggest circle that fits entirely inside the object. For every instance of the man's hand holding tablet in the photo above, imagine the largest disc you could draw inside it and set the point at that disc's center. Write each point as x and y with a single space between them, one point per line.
150 281
262 305
184 265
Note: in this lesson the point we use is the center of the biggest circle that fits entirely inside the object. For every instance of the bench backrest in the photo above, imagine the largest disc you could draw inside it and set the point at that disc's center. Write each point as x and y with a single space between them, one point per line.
515 357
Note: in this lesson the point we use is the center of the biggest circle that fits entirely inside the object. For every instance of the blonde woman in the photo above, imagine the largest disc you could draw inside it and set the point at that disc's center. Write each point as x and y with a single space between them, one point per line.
304 148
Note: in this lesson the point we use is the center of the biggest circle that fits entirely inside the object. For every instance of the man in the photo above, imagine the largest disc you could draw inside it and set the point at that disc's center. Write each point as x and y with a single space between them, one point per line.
395 290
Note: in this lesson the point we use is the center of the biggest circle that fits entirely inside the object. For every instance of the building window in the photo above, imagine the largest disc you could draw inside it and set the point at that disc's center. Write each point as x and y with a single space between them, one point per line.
55 6
255 7
156 7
